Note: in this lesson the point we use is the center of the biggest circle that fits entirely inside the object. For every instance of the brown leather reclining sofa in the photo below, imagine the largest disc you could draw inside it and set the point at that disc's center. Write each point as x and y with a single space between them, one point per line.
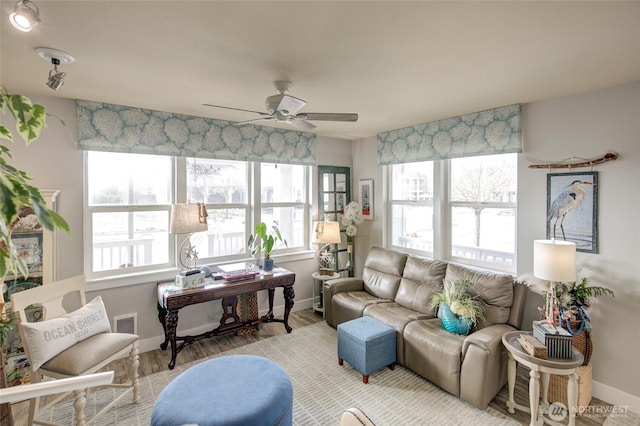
396 288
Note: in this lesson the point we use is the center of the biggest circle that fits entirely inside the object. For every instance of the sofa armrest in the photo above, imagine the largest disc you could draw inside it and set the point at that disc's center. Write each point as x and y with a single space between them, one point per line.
483 371
332 287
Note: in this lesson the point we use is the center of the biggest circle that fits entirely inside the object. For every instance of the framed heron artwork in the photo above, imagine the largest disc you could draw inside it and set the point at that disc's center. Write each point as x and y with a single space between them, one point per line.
572 209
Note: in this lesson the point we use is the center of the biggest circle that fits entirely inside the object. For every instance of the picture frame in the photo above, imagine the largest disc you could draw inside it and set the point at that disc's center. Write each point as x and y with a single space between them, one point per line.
366 198
572 209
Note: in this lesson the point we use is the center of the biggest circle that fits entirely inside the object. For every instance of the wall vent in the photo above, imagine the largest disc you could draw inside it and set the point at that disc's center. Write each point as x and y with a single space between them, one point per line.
127 323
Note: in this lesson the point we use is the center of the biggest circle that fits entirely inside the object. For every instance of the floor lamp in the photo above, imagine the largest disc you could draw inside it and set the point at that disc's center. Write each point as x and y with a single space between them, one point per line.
188 219
554 261
325 234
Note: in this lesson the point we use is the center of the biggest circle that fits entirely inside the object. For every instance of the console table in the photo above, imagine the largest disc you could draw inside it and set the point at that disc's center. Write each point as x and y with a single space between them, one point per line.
172 298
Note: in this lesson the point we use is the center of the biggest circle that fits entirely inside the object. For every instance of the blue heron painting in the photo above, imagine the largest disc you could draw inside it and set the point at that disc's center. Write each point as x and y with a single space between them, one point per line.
571 208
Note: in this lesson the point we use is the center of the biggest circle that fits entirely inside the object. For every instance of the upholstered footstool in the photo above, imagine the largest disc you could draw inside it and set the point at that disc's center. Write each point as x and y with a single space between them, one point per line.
230 390
367 345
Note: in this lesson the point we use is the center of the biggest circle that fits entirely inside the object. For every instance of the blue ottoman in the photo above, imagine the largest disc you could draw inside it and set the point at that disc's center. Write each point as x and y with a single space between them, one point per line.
231 390
367 345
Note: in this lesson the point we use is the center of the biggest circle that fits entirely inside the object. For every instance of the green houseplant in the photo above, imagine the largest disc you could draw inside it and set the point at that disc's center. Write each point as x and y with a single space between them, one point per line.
264 241
459 310
15 187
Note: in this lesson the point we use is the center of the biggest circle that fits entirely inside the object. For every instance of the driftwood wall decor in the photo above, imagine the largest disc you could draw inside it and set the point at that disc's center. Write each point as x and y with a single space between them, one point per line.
609 156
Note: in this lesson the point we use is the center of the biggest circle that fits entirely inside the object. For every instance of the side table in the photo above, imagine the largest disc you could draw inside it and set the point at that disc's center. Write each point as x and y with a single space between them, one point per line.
538 367
319 306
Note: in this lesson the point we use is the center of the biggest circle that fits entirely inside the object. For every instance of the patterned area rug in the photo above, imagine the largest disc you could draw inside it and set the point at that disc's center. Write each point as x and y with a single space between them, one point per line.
322 389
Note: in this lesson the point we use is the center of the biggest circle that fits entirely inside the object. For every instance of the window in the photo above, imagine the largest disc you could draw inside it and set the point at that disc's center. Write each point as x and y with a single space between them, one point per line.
412 206
483 210
127 217
128 201
477 200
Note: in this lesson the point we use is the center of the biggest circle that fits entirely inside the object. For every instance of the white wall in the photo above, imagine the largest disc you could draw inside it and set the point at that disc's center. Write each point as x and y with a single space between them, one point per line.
584 125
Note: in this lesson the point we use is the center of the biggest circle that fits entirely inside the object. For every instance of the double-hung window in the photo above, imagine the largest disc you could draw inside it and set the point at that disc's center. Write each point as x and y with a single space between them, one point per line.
461 209
129 198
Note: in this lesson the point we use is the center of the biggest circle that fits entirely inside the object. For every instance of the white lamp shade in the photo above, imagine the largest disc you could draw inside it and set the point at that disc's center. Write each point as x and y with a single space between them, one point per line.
554 260
188 218
326 232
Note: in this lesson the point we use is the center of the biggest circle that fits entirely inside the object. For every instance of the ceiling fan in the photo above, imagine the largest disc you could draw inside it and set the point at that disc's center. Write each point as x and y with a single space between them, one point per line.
283 108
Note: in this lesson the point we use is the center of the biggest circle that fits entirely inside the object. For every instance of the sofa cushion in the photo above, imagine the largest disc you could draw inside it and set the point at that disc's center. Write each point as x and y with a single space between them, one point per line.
421 278
495 290
382 272
349 305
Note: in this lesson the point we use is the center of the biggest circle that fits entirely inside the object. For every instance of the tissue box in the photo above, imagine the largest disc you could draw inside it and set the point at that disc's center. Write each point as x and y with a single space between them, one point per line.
190 281
556 339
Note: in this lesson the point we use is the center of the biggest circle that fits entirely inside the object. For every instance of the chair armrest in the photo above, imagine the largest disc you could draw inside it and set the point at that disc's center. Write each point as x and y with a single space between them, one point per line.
488 339
332 287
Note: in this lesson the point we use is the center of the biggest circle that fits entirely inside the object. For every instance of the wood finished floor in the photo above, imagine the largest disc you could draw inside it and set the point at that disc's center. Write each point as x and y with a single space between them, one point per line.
156 360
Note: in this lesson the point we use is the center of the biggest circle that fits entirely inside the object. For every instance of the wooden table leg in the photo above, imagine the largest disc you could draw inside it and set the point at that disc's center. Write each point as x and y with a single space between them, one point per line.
289 295
162 315
534 395
511 379
171 322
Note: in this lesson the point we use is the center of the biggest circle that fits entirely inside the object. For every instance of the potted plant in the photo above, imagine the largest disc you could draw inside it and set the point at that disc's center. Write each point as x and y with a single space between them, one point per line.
573 303
264 241
458 310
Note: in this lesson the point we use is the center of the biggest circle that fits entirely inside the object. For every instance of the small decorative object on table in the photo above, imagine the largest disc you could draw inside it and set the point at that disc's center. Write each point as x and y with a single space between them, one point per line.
556 339
193 280
263 241
458 310
533 346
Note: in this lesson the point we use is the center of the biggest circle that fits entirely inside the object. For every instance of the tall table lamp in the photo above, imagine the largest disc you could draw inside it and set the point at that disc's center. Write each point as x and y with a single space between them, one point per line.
188 219
554 261
325 234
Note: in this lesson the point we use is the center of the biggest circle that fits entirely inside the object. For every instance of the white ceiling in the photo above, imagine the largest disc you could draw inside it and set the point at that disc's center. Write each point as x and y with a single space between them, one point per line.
394 63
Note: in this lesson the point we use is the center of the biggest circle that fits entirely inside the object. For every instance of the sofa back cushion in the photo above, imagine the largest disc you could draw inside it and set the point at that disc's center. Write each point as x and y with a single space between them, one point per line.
495 290
421 278
382 272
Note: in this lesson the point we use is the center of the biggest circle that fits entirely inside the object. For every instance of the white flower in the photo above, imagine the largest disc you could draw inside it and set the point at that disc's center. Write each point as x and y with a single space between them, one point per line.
459 309
351 230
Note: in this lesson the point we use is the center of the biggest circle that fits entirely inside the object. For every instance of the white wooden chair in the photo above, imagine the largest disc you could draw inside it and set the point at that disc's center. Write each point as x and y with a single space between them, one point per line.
83 355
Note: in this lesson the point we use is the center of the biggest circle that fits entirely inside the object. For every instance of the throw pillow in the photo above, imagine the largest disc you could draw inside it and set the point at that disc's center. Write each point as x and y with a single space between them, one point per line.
47 339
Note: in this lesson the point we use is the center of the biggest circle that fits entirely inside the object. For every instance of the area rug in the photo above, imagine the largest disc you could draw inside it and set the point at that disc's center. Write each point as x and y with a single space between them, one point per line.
322 389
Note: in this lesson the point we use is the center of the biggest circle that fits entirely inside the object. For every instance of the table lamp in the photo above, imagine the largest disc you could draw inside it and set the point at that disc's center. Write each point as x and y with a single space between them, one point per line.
325 234
188 219
554 261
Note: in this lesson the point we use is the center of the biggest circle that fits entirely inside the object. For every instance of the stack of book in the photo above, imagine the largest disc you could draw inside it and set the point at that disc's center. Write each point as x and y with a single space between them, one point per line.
238 271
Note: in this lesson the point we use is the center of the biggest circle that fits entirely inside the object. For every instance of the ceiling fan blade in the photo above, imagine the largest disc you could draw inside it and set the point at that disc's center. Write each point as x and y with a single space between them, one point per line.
241 123
236 109
301 124
328 116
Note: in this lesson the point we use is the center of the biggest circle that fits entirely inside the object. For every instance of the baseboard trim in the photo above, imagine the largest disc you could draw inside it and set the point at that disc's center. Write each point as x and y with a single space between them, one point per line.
153 343
615 396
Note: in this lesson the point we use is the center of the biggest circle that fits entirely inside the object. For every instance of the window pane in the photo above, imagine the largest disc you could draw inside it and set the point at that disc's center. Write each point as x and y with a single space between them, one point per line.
491 178
216 181
226 235
413 181
128 239
281 183
290 221
412 227
484 234
128 179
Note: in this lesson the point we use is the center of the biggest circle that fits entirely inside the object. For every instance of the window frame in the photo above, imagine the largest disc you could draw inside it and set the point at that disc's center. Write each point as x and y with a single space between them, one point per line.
148 273
442 218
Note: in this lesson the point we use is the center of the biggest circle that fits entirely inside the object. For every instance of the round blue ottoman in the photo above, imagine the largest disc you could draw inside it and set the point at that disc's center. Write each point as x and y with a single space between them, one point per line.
238 390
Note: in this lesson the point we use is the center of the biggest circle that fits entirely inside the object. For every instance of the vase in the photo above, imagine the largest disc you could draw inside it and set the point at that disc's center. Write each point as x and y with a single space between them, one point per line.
452 322
267 264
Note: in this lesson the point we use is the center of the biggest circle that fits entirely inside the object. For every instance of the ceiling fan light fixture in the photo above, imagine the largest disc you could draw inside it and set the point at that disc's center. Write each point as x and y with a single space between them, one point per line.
25 16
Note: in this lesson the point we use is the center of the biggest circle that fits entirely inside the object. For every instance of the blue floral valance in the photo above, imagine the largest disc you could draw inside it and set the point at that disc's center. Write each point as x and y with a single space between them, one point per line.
115 128
494 131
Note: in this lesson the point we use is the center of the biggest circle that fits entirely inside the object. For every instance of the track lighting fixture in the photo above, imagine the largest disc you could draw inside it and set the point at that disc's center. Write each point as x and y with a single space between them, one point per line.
57 57
25 15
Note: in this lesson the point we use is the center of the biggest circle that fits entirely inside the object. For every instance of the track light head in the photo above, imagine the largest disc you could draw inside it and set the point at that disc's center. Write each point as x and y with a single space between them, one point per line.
25 16
57 57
